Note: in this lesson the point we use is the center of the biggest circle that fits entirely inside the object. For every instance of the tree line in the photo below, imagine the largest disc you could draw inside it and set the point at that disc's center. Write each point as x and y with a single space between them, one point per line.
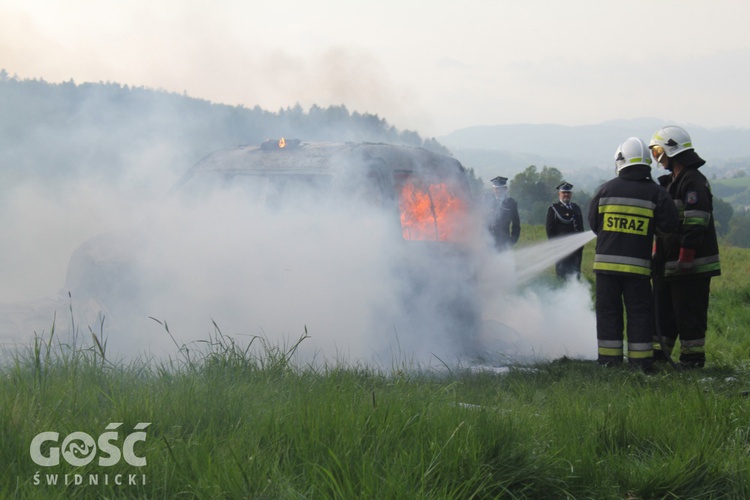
53 130
535 190
60 128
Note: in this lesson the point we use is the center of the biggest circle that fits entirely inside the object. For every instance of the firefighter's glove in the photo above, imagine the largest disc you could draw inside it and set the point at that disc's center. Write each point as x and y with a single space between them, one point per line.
685 261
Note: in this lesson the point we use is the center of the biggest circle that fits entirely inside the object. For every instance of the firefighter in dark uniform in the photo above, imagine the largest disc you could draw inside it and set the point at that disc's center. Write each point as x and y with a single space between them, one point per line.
504 223
625 213
686 260
565 217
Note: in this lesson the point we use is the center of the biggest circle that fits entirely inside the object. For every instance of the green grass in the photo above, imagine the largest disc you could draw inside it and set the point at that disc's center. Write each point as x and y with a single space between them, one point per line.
228 421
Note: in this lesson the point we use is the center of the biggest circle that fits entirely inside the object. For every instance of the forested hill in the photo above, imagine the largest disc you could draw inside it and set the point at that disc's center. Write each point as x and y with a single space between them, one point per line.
51 129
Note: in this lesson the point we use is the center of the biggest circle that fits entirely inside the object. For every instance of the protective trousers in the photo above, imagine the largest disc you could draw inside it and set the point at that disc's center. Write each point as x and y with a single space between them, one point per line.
682 306
634 292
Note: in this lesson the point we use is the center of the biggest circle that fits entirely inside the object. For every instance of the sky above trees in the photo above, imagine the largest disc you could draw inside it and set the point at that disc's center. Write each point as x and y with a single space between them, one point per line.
428 66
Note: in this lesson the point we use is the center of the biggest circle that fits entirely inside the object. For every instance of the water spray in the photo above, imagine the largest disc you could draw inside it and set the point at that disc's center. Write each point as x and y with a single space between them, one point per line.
532 260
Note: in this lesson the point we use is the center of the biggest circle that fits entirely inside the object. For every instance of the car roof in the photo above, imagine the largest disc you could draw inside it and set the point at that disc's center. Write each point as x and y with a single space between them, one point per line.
321 158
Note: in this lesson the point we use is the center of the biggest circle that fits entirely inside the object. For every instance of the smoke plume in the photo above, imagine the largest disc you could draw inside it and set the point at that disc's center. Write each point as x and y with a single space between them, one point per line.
111 255
340 274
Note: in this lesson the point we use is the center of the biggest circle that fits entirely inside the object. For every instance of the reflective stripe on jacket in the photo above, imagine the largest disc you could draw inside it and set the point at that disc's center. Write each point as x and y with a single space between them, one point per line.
625 213
693 199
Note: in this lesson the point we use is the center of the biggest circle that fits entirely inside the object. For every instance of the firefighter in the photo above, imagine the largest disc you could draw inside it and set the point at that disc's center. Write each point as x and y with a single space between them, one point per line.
686 260
565 217
624 213
504 223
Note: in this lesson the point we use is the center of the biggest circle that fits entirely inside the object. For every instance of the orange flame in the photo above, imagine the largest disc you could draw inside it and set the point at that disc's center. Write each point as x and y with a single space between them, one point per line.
430 212
282 143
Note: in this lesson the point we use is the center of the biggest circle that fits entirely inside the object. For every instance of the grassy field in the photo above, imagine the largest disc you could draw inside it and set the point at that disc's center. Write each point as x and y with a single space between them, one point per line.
231 422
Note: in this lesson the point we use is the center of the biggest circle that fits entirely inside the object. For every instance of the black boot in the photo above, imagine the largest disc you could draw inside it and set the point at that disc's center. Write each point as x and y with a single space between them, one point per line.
659 356
646 365
692 361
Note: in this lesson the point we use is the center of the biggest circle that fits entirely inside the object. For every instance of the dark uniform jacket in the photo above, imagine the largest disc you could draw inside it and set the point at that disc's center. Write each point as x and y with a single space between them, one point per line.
562 220
624 213
504 223
692 196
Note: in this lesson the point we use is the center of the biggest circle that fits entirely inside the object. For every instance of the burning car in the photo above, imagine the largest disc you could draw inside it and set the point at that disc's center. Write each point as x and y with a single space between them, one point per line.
424 197
428 192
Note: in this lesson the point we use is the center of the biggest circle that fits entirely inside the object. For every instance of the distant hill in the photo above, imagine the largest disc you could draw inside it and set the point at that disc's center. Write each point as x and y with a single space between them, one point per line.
50 131
508 149
734 190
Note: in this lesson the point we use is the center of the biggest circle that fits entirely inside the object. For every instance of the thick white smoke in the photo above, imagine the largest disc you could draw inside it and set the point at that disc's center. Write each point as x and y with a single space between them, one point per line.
535 322
256 273
340 271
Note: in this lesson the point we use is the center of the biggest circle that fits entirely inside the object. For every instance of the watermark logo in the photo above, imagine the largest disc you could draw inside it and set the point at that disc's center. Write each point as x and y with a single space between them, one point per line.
80 449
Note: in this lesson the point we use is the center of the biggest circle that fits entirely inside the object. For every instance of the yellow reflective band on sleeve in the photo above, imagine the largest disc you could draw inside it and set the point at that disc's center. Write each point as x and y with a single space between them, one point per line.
696 218
625 224
700 265
695 222
626 209
708 268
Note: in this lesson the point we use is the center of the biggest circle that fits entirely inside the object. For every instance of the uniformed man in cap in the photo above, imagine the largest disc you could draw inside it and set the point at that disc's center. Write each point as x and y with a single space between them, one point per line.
565 217
504 223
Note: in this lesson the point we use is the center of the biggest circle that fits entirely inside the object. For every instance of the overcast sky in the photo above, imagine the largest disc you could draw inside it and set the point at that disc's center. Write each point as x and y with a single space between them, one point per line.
428 65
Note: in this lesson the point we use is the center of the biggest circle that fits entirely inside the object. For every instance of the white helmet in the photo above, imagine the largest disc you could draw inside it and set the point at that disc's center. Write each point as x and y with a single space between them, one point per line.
632 152
670 140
